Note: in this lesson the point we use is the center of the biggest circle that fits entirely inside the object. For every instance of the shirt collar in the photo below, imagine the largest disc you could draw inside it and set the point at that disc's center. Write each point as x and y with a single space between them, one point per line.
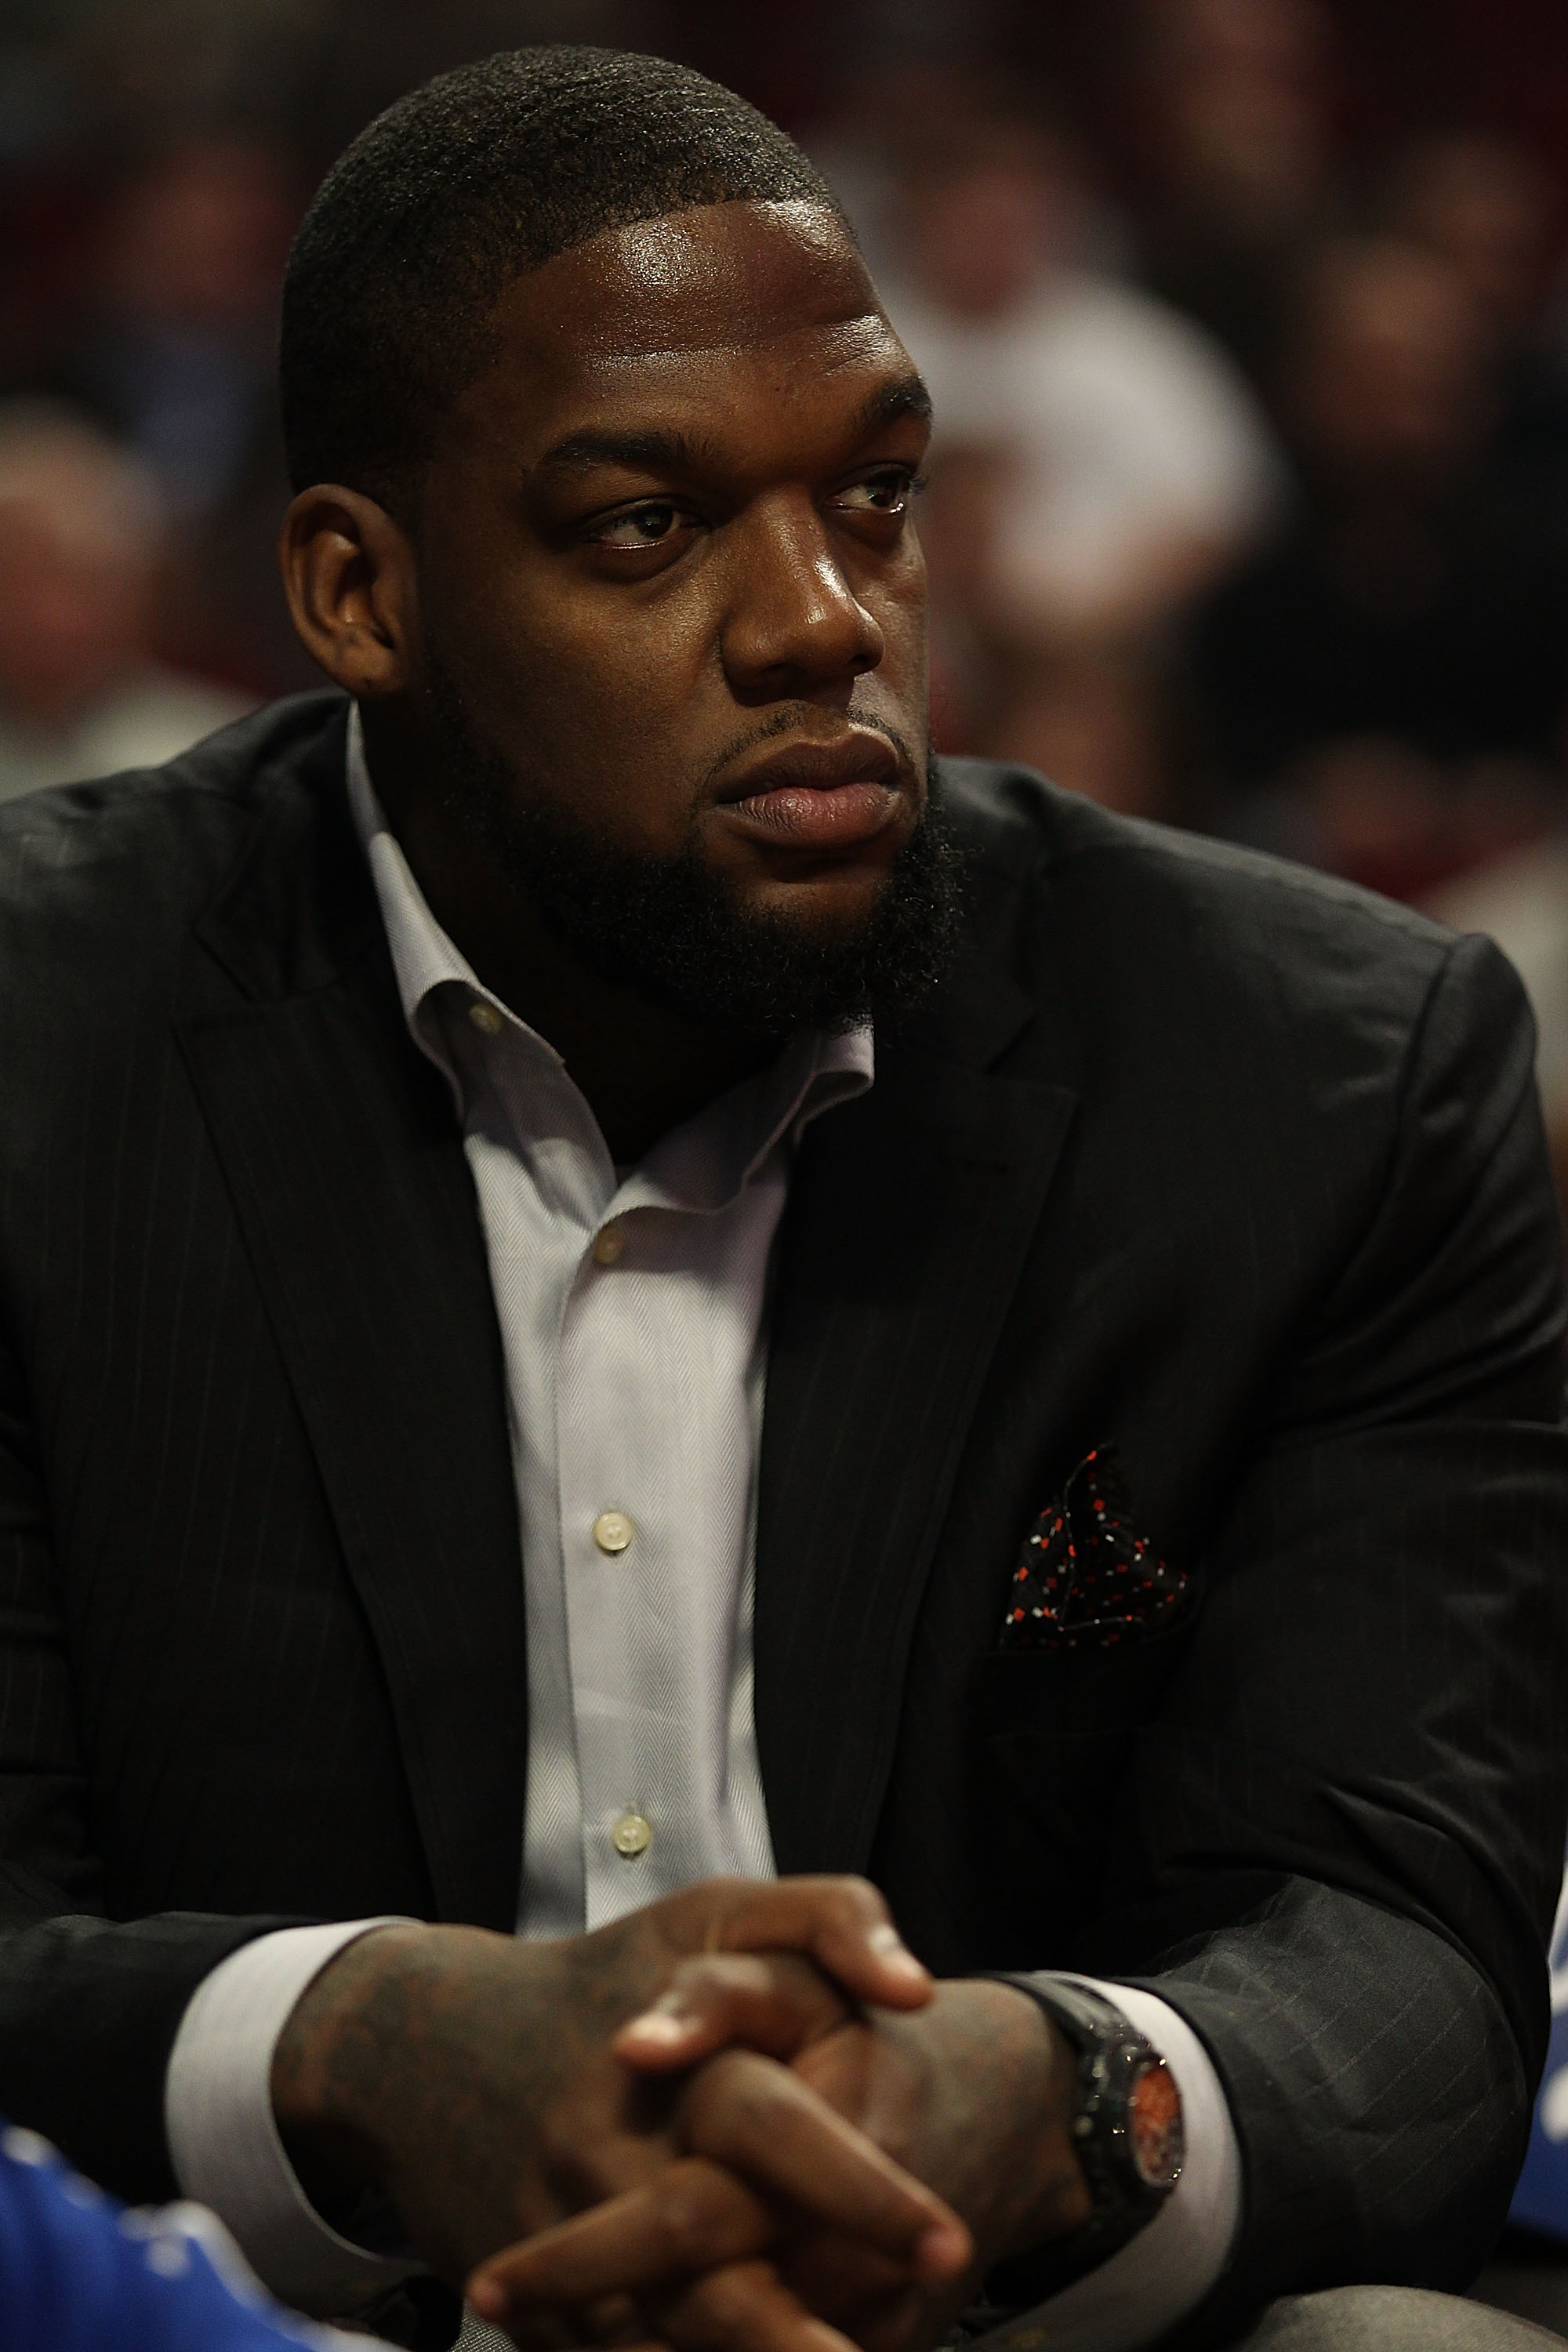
422 954
702 1164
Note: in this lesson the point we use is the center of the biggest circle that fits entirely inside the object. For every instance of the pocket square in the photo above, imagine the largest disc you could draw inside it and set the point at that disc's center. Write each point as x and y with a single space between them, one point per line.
1085 1578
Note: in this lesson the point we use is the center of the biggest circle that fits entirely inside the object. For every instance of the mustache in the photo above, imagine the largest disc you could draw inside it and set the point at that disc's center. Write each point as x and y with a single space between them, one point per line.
795 720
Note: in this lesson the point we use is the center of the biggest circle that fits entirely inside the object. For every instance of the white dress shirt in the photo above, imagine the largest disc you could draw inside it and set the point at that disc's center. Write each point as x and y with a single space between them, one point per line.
632 1305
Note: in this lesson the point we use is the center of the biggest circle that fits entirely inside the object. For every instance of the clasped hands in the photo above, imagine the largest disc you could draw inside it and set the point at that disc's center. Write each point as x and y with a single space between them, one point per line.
741 2120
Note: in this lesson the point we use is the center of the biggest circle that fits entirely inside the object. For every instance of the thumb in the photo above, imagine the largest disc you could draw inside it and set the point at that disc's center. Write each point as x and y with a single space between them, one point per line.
771 2002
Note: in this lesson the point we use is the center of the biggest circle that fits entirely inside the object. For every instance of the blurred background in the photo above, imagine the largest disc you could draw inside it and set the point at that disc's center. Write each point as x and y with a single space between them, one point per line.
1247 321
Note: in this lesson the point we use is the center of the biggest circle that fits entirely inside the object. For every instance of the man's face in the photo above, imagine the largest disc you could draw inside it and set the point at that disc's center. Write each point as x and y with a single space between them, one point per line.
669 581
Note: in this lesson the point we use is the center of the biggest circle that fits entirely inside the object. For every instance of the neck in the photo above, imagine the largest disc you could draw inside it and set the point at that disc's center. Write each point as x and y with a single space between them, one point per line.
642 1067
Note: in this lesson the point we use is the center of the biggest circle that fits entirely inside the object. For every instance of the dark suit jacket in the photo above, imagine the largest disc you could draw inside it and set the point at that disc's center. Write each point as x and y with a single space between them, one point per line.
1226 1162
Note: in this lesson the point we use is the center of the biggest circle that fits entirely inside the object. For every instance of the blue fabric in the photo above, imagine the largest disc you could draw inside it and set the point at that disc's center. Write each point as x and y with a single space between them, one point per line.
80 2274
1541 2201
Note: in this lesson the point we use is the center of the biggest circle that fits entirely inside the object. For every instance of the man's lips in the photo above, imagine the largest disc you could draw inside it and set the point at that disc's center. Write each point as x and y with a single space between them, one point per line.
820 796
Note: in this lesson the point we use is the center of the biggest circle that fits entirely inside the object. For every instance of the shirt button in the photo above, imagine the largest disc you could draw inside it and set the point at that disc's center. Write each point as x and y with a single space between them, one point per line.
485 1016
632 1836
608 1244
613 1531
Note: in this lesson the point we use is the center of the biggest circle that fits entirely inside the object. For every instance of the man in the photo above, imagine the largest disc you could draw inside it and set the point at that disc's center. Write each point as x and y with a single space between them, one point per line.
83 541
431 1112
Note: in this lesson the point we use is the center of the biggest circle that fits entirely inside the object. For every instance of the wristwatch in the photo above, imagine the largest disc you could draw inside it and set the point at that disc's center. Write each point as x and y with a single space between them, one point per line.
1126 2130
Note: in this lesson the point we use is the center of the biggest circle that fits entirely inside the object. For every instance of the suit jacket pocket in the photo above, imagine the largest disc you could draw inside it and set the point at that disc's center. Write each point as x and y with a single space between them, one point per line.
1049 1738
1084 1694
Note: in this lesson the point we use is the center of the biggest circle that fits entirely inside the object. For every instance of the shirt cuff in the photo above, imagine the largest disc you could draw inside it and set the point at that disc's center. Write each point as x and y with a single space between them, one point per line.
1167 2269
223 2136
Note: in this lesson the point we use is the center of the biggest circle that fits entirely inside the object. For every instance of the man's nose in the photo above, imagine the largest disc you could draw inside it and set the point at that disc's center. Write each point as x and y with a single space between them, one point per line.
795 624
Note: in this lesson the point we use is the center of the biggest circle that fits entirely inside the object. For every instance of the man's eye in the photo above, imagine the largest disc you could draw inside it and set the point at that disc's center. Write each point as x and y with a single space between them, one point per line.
647 526
888 491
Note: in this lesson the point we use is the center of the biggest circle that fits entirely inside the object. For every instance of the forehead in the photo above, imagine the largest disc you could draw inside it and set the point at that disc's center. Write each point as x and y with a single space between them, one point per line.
719 302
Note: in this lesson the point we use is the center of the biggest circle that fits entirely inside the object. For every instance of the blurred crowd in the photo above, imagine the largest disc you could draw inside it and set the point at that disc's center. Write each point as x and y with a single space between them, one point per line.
1247 322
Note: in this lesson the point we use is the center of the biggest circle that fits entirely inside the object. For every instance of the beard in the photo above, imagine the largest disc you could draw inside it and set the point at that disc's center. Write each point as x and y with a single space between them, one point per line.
678 935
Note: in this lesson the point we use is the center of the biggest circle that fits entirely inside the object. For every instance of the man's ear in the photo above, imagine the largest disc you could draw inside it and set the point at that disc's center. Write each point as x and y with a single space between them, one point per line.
350 578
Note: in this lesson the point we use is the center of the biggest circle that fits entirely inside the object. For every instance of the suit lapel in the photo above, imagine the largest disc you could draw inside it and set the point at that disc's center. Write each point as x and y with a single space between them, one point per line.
909 1216
354 1197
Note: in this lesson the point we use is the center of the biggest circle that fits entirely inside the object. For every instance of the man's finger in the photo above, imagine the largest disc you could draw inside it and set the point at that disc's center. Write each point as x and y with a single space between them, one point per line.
846 2281
655 2237
745 2307
755 2118
775 2003
613 2323
691 2217
842 1924
740 2307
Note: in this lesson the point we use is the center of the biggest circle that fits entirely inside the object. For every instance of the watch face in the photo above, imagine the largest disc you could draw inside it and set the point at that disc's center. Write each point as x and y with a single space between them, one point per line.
1154 2125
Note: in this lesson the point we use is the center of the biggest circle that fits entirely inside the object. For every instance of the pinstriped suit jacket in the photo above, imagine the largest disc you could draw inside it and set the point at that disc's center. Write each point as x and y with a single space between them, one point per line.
1224 1163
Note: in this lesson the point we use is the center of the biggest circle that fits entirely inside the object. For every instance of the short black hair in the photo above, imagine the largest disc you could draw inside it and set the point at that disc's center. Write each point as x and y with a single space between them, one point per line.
464 185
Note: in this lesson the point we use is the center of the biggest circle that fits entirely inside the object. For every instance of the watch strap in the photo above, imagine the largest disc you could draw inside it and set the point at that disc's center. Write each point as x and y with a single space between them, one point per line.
1093 2027
1084 2015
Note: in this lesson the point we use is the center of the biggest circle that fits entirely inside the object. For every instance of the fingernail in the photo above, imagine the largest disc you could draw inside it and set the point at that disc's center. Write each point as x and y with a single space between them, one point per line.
894 1953
661 2028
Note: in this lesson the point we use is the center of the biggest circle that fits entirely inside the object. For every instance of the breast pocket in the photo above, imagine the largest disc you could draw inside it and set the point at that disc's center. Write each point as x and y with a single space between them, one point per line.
1050 1737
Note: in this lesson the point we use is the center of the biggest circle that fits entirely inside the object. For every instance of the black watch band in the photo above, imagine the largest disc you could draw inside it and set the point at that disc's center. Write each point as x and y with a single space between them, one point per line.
1126 2130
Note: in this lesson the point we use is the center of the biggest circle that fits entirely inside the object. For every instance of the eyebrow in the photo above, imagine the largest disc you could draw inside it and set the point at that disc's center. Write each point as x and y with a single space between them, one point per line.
908 397
656 451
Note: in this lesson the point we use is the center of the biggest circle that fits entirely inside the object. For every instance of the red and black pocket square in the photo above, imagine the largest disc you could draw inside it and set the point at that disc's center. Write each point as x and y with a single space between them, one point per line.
1085 1578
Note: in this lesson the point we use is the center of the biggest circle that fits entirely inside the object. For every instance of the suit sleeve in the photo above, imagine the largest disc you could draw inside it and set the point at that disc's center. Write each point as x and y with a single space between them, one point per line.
89 2006
1342 1839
